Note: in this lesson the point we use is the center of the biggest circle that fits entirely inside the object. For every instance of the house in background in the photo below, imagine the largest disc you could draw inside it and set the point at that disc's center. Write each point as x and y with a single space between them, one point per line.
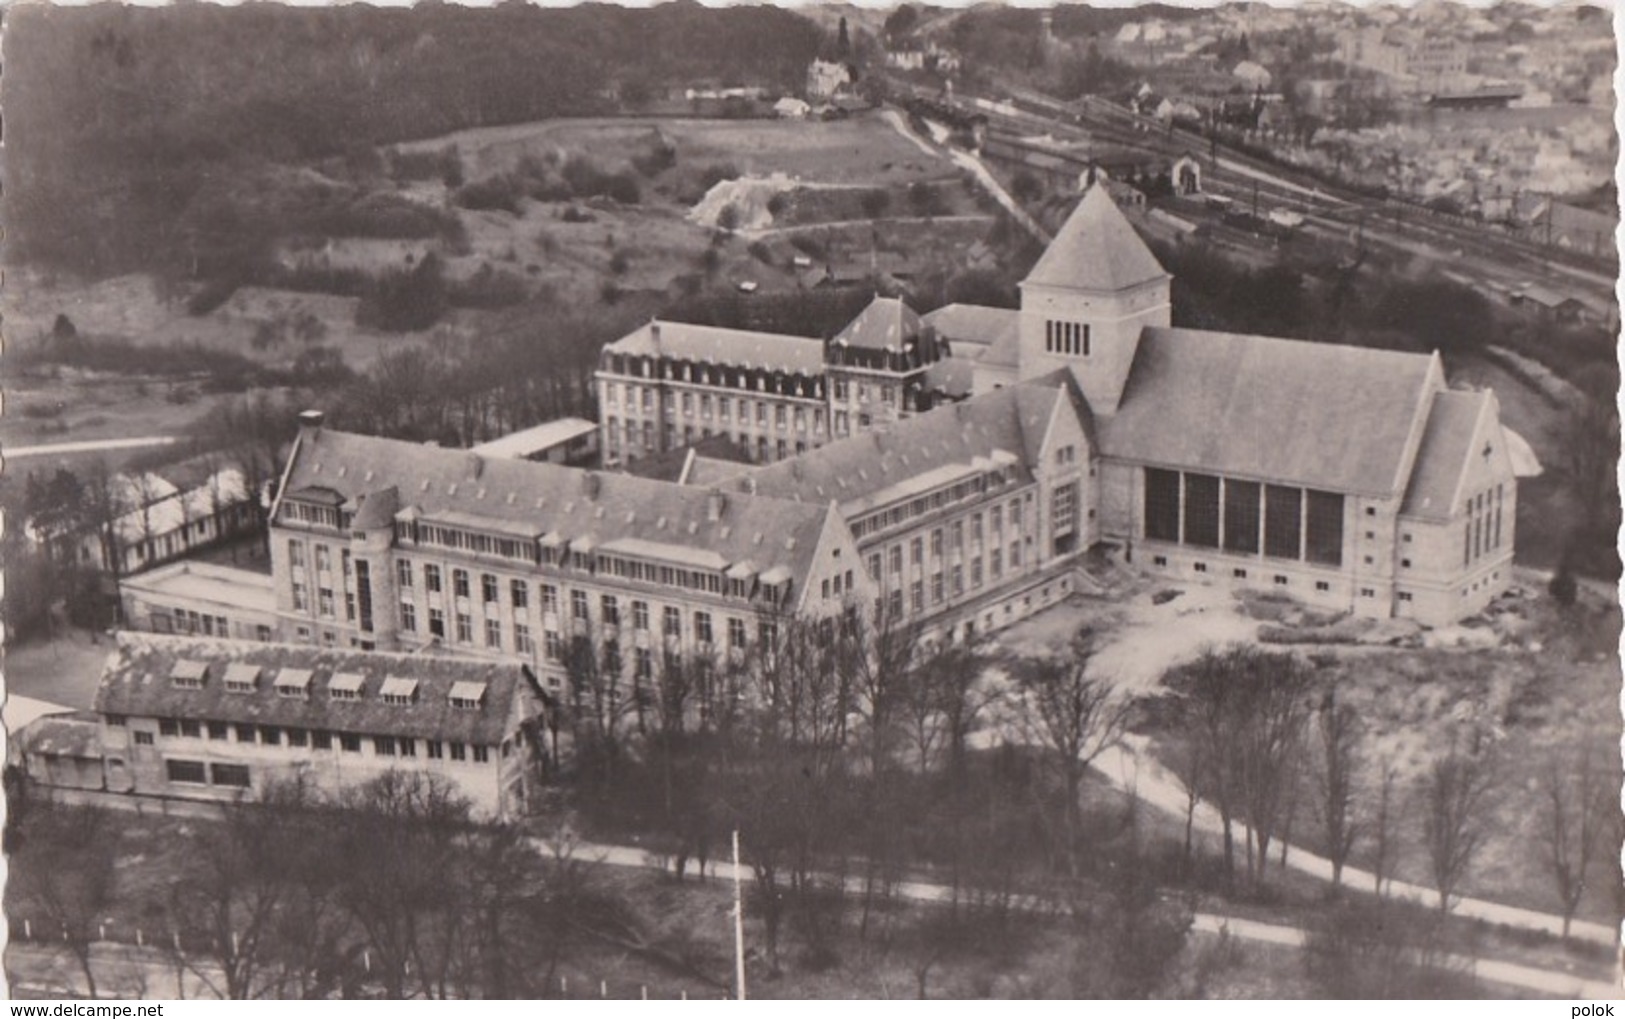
159 515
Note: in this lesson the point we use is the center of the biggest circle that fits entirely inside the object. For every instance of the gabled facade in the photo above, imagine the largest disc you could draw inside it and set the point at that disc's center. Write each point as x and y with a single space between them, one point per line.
379 544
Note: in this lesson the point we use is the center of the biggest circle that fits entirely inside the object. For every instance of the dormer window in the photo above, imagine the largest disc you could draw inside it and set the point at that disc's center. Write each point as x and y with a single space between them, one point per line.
293 684
468 696
344 686
241 677
189 674
399 692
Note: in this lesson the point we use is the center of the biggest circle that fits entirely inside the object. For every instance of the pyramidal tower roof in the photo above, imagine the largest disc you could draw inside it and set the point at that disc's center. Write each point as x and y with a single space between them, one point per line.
886 324
1096 249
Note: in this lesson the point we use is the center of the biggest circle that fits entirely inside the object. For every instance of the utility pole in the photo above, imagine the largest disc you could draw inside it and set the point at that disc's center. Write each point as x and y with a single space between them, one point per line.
739 922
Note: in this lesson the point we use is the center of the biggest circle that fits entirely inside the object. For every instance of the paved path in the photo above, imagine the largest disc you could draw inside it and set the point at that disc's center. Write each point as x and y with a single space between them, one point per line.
983 176
89 446
122 971
1134 771
1561 985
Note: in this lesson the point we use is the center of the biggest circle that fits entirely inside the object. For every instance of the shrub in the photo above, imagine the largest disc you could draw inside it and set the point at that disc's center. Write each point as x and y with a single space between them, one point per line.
445 164
406 300
382 215
619 263
487 288
660 158
1564 589
875 201
760 252
623 188
716 173
498 192
212 295
808 245
310 277
927 200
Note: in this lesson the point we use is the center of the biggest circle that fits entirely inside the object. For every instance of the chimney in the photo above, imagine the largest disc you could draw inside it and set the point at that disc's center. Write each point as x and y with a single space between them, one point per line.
654 332
589 484
476 466
310 419
715 505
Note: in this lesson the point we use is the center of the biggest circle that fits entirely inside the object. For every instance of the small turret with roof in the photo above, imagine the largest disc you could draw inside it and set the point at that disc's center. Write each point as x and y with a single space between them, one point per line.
1086 301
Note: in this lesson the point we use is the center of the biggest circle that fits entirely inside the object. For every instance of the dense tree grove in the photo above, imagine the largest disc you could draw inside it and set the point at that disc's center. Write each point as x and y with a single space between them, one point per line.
121 122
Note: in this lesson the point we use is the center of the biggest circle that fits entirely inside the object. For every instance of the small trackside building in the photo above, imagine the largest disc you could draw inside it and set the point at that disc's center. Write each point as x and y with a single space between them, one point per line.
217 719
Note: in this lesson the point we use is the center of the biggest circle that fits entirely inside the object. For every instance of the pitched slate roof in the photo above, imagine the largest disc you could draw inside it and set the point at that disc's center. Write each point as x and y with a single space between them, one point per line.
136 681
681 340
885 324
1444 454
971 329
854 470
955 376
1319 415
78 734
526 498
1096 249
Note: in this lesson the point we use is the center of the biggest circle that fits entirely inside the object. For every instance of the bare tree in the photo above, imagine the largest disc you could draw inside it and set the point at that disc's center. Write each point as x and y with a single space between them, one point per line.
1337 759
406 827
1385 851
1265 737
1075 714
1575 804
1453 802
1591 447
63 867
943 701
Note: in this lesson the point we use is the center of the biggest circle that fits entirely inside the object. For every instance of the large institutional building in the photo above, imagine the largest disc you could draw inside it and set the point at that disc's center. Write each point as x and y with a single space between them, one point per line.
949 471
1350 478
954 472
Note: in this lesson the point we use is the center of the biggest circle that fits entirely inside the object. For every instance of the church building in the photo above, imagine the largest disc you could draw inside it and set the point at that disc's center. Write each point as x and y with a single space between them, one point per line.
1349 478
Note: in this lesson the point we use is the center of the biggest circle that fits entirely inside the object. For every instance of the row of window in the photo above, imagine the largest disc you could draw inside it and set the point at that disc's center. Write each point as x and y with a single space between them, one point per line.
702 581
765 450
311 513
1069 338
960 491
780 383
1208 511
314 739
609 615
1482 534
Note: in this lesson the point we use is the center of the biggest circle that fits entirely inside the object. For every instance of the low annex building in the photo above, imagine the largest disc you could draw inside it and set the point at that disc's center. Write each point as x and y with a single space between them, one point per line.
219 719
200 598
